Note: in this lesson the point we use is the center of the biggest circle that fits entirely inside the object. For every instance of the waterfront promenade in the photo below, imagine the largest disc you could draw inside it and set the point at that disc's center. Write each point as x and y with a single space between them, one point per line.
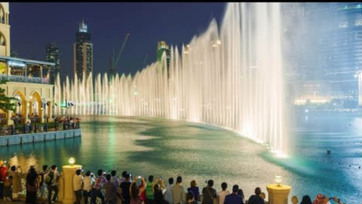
38 137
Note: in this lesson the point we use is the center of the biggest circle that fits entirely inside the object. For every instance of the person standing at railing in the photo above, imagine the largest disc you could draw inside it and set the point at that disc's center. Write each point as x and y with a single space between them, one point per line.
45 127
97 188
87 187
12 129
52 181
31 186
27 127
43 185
78 186
16 174
3 171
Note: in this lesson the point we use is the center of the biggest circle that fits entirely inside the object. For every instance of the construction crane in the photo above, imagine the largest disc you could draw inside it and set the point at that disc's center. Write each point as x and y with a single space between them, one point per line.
114 61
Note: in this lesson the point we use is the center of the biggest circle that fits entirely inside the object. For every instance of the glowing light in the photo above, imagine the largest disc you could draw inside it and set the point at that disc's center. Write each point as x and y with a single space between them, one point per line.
278 180
16 64
71 161
300 102
279 154
318 101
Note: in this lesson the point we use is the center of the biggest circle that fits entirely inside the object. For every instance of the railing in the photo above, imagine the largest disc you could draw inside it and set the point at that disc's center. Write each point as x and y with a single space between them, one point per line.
16 78
37 127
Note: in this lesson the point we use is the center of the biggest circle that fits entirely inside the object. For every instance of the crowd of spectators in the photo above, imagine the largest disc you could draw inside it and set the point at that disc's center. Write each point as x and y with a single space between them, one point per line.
60 123
110 189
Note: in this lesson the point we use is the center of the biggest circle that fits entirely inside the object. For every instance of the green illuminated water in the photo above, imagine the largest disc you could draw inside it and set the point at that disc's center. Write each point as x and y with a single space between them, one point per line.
168 148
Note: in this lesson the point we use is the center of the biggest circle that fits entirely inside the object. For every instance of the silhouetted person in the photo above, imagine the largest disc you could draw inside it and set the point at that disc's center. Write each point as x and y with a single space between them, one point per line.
306 200
209 193
234 198
256 199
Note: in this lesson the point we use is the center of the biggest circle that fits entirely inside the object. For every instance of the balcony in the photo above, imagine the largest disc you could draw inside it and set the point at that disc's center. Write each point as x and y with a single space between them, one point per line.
24 70
23 79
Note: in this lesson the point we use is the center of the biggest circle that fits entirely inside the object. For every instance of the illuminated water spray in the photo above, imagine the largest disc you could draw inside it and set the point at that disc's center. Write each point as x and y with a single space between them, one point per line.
232 78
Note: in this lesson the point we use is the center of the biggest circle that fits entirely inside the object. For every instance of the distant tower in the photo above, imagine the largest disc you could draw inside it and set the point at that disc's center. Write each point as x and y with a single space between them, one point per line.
4 30
83 51
161 48
52 55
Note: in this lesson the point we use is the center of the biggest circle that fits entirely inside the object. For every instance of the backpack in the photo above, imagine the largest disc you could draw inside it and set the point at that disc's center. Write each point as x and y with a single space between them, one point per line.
49 178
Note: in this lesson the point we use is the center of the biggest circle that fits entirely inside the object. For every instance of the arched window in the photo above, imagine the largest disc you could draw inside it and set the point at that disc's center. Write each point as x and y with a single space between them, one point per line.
2 39
2 14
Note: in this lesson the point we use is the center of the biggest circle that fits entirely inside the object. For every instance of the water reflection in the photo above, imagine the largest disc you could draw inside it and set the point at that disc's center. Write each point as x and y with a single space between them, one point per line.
37 154
157 146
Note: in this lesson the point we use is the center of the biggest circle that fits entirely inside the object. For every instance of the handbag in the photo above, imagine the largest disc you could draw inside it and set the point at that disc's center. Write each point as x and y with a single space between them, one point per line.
32 188
214 199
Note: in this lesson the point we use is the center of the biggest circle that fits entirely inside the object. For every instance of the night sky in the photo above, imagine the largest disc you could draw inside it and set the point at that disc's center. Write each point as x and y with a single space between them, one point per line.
34 25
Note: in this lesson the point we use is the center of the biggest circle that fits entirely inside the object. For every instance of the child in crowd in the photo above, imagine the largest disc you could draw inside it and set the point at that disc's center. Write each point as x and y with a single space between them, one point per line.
8 189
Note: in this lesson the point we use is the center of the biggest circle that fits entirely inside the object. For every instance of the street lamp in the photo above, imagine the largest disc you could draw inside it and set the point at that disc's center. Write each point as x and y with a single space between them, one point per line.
71 161
278 180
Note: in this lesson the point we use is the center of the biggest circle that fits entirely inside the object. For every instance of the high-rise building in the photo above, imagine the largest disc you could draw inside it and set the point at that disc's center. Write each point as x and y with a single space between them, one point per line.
52 55
161 48
83 52
326 49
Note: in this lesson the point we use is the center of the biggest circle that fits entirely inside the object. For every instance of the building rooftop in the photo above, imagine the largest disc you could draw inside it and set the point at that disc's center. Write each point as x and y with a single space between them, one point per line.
26 61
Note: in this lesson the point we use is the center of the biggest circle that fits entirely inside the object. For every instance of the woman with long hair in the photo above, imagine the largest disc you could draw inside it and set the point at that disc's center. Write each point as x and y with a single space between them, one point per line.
142 191
306 200
159 199
194 189
31 186
135 192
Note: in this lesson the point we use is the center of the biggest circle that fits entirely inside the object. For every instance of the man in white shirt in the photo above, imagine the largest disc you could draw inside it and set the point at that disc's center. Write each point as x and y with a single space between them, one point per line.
77 186
168 192
115 178
222 194
53 184
87 187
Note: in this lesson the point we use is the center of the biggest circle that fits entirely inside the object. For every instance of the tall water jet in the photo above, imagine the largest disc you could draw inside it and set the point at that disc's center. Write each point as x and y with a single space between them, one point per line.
231 78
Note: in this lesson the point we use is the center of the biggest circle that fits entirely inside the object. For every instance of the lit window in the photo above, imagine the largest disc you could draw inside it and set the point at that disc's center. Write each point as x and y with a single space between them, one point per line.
358 22
343 24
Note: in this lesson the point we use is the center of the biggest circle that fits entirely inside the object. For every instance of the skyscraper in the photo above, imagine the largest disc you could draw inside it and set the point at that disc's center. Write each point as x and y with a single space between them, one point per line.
52 55
161 48
83 51
326 48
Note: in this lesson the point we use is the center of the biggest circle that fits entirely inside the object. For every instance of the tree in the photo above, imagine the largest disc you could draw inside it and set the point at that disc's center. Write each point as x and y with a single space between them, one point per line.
7 103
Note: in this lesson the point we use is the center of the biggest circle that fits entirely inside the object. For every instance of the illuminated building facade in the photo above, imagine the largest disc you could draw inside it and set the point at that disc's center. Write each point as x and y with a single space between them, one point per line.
27 80
161 48
52 55
325 51
83 52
